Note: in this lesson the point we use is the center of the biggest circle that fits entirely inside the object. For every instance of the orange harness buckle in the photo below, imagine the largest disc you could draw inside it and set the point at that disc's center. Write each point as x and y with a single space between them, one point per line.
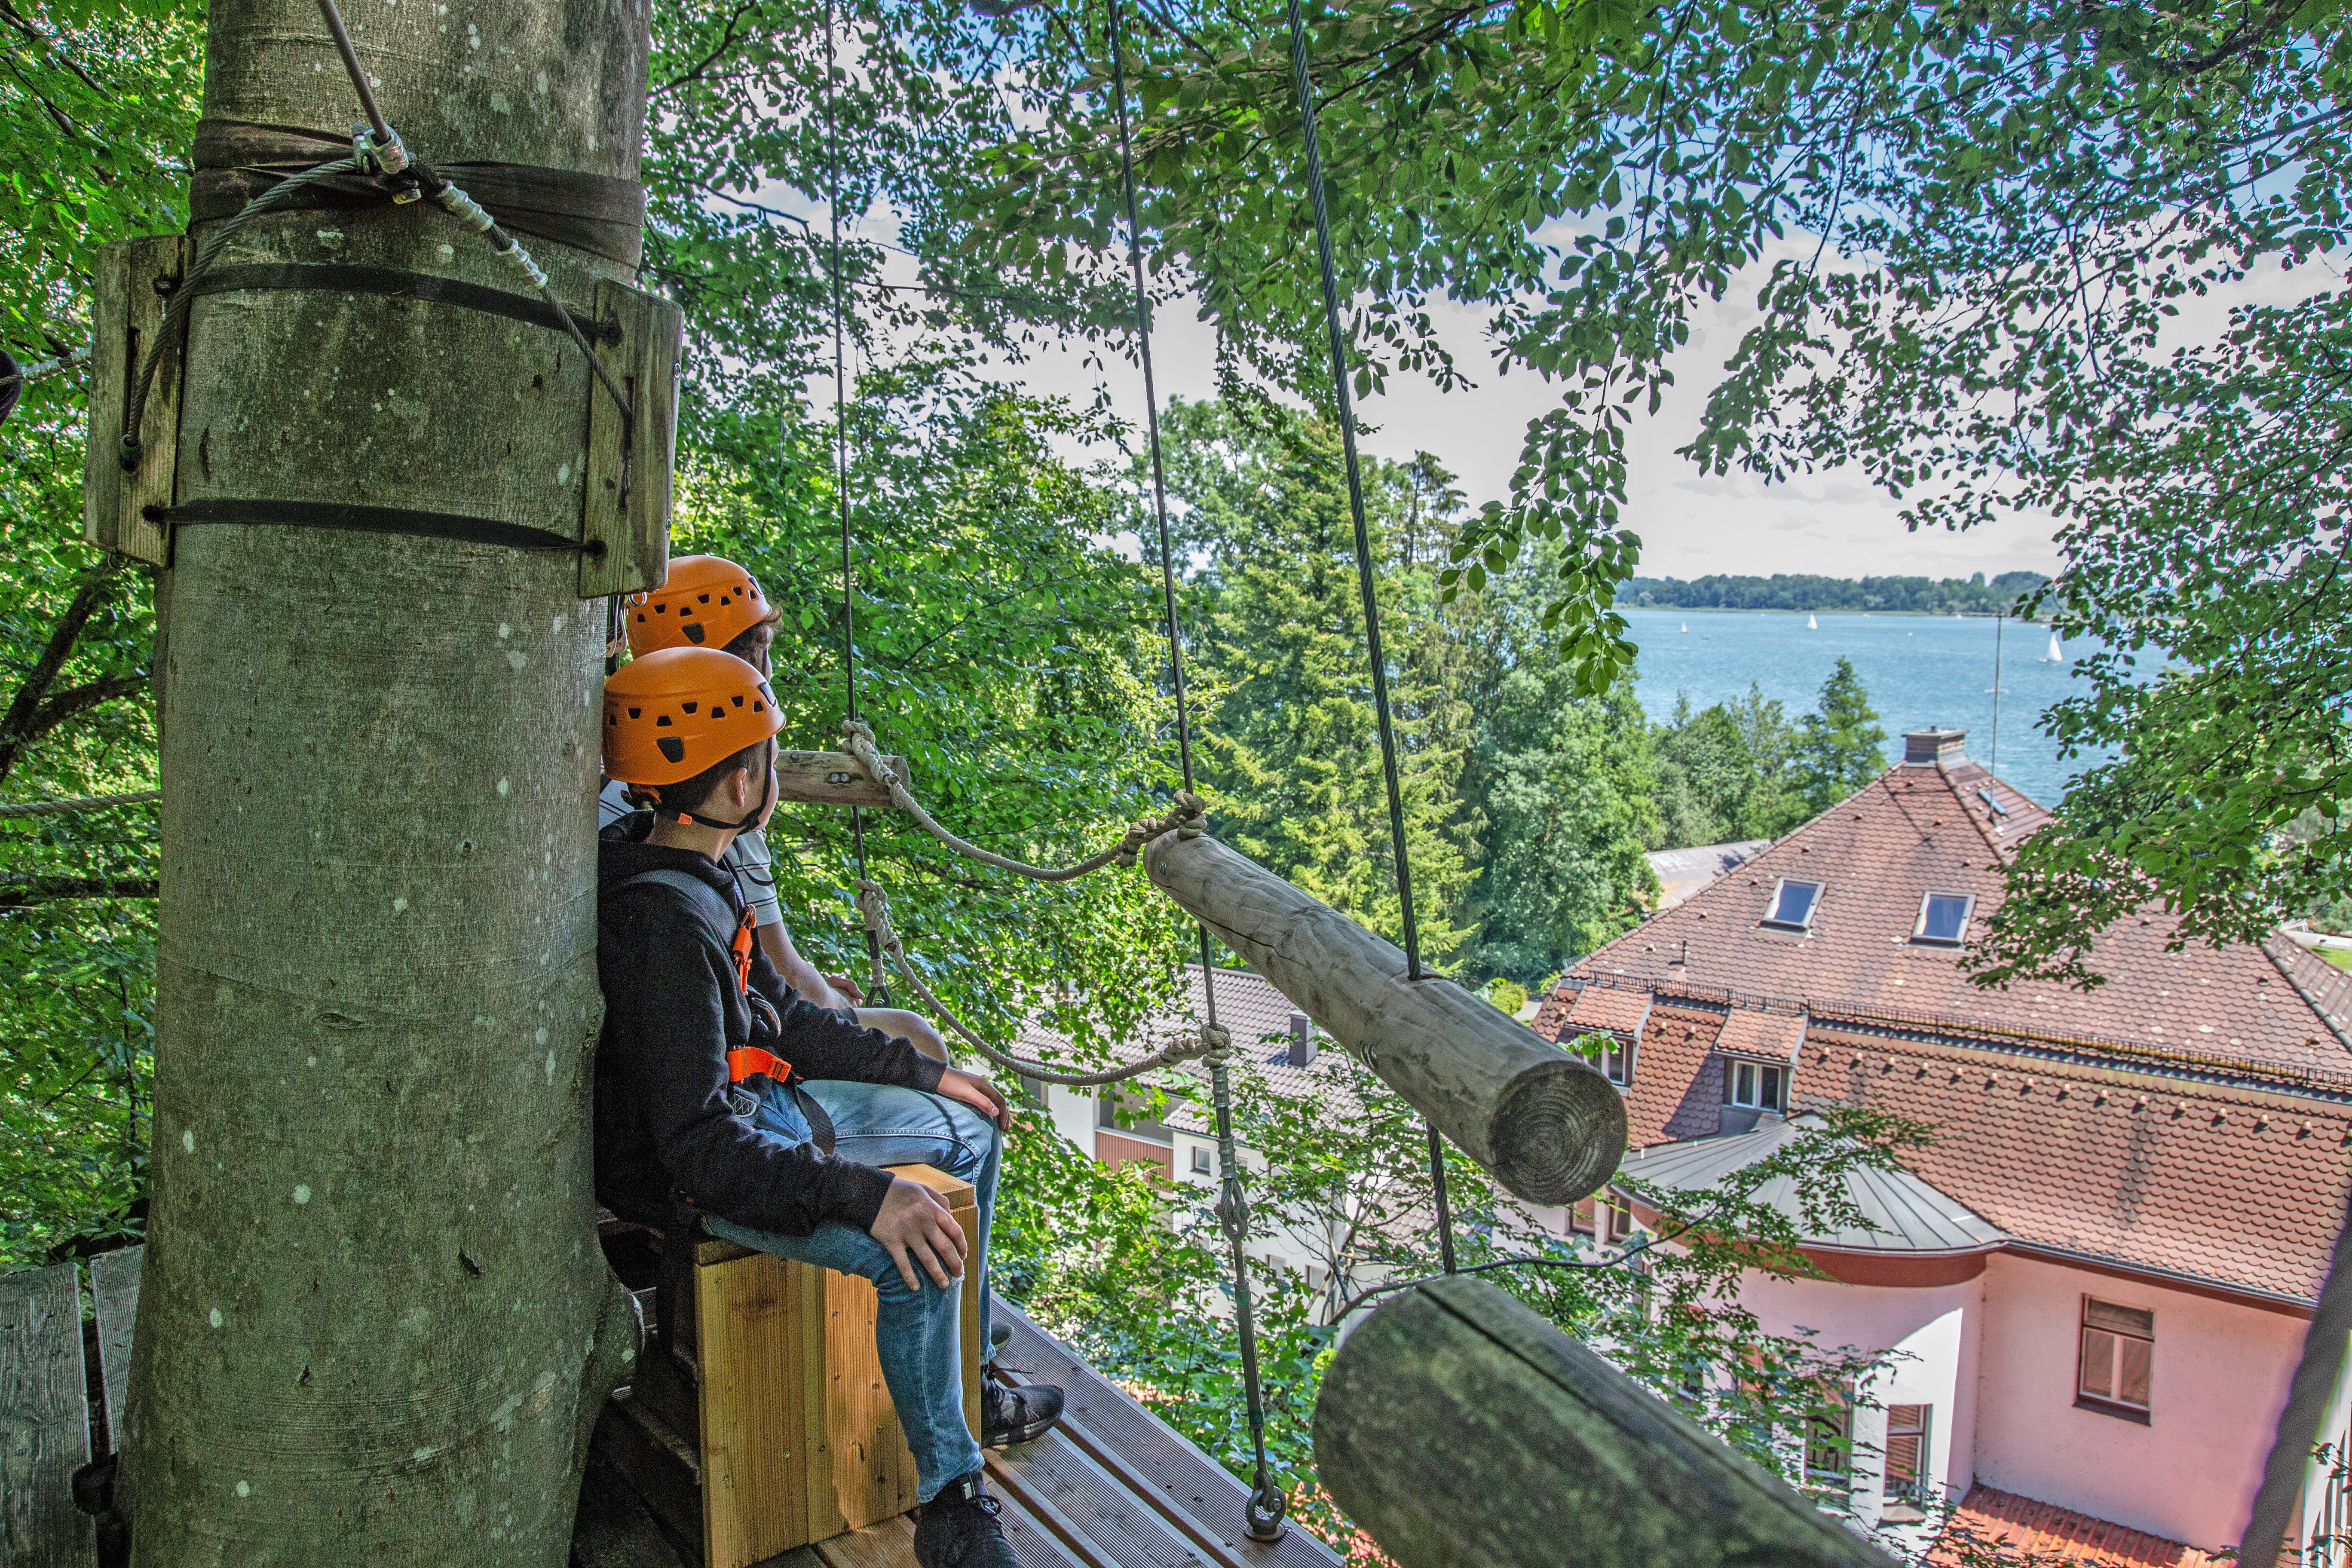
750 1061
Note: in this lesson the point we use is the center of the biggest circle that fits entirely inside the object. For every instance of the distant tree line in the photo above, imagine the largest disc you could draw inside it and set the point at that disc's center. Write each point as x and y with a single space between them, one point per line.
1804 591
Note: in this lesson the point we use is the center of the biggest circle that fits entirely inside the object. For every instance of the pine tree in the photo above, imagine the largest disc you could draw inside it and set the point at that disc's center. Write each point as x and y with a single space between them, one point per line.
1841 747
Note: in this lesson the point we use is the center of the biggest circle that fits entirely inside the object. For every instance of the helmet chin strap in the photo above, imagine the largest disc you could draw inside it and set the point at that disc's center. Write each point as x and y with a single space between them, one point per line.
767 793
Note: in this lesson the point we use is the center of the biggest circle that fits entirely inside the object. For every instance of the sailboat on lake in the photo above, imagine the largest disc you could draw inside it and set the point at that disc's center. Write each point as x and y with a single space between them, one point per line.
1811 624
2057 654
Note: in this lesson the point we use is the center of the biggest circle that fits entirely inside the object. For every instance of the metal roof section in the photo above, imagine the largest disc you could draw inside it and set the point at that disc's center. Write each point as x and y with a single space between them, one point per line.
1682 872
1904 1214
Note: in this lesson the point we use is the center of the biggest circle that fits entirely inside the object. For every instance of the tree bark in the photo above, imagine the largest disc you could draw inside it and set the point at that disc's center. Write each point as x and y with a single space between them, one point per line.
1461 1428
1550 1127
375 1324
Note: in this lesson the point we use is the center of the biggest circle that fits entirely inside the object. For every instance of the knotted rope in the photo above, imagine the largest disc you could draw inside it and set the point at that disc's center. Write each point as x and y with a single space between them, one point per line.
1211 1042
1184 817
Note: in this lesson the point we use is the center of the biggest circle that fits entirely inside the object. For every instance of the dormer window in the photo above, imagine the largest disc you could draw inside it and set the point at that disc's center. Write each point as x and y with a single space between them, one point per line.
1756 1084
1793 903
1944 919
1617 1063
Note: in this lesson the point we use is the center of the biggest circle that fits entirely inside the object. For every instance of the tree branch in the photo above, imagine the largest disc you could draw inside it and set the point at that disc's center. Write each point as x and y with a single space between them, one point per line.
55 710
17 726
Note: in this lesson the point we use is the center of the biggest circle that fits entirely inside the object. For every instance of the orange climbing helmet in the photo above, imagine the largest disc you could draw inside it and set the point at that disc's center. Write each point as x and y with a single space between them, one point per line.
679 710
706 601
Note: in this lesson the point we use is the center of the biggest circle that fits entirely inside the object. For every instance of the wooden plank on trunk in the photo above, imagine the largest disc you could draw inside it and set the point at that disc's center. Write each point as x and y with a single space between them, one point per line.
114 1281
629 461
1547 1124
126 313
1459 1427
832 778
750 1325
43 1420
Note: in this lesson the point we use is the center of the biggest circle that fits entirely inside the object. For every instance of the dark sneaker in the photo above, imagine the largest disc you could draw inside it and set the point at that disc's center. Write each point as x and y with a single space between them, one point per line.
957 1529
1017 1414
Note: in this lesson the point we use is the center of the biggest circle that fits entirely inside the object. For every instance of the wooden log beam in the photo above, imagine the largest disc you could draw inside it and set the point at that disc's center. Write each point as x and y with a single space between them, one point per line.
832 778
1547 1124
1461 1428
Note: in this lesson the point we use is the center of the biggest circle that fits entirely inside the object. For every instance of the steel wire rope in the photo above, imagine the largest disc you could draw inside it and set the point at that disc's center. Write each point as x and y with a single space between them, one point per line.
1267 1505
875 976
1364 579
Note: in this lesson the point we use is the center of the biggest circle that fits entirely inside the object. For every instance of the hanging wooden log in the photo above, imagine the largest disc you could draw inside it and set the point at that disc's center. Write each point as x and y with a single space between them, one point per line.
1547 1124
1461 1428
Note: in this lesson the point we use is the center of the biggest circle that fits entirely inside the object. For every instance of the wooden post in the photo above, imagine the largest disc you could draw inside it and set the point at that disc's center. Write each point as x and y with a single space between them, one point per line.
44 1419
1547 1124
1461 1428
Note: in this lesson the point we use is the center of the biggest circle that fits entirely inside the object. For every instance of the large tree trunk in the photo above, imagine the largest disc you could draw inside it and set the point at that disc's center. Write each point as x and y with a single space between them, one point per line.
374 1324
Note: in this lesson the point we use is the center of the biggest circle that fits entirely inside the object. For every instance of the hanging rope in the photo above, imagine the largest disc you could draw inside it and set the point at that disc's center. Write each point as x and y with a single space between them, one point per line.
1188 810
1364 579
876 908
876 981
1267 1505
86 802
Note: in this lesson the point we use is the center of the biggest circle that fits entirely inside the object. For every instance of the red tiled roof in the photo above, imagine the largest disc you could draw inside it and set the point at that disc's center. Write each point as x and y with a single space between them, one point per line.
2120 1165
1921 829
2044 1532
2206 1109
1602 1011
1754 1034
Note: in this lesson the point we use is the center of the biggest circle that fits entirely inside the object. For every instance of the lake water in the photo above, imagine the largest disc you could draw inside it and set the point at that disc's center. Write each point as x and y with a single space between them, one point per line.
1920 671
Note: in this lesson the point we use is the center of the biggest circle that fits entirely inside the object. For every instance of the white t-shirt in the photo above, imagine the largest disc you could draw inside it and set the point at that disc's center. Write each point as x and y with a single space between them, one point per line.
746 857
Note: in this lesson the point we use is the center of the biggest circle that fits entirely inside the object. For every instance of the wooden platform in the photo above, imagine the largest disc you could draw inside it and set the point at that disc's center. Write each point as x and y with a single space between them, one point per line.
1115 1487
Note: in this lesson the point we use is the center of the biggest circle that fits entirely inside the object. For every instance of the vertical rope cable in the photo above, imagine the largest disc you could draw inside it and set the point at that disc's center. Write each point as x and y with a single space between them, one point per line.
1364 568
1355 484
841 465
1266 1504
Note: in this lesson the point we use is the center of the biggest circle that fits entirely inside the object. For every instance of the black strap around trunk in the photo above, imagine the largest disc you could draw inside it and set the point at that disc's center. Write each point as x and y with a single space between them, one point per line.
368 519
393 283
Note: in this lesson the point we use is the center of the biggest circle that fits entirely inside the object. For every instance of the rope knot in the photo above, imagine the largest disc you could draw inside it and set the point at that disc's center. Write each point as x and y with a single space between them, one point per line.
876 908
1216 1044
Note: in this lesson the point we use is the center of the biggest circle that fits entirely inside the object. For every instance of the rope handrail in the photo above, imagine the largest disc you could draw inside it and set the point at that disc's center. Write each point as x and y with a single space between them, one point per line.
1211 1043
1185 814
84 803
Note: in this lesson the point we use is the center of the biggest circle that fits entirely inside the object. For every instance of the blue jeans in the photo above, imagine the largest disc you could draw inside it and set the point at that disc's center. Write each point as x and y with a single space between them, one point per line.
916 1330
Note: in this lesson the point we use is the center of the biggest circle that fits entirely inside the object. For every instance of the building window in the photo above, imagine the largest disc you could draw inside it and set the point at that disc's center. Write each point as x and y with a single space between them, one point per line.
1128 1114
1756 1084
1580 1220
1617 1063
2119 1355
1906 1462
1829 1439
1620 1219
1200 1160
1793 904
1944 919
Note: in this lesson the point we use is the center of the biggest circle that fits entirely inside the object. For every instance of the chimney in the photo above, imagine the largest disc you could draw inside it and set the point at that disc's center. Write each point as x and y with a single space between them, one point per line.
1934 748
1302 1041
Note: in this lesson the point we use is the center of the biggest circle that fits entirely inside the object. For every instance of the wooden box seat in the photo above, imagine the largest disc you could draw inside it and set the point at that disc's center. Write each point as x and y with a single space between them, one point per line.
769 1427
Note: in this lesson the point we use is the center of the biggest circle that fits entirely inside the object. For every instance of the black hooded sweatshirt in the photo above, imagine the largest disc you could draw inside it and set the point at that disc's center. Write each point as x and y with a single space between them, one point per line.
672 1010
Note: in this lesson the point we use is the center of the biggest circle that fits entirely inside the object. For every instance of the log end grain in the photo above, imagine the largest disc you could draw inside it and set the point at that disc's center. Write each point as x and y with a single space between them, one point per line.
1558 1133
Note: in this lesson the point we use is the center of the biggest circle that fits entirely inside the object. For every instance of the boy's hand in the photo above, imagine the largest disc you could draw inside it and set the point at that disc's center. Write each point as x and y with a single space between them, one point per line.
970 1089
845 988
915 1226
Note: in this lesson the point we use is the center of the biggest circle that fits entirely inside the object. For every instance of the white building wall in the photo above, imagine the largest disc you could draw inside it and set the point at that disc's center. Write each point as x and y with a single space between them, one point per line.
2220 1376
1933 1332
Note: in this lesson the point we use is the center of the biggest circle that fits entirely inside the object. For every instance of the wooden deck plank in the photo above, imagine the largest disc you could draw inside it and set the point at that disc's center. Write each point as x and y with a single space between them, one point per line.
43 1420
1185 1478
1124 1529
114 1281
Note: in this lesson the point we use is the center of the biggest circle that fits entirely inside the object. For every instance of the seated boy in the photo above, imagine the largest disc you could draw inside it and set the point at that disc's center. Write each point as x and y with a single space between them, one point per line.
700 1036
709 601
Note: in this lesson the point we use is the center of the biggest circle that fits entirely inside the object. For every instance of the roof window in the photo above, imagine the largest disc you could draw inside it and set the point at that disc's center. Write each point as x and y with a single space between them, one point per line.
1944 919
1793 903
